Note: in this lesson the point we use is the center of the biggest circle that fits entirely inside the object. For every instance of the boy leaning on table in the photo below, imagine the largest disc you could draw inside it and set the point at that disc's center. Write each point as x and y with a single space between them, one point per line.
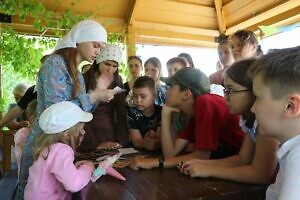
213 130
276 85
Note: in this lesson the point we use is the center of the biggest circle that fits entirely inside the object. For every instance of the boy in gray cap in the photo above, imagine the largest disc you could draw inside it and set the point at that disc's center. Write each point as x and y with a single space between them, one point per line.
212 129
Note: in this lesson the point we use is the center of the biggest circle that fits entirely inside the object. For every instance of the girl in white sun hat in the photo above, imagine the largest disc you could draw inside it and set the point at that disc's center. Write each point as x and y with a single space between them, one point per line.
53 174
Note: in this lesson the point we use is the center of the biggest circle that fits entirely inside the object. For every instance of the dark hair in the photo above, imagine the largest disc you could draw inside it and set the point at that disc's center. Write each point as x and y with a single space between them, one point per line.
93 73
280 70
188 57
177 60
136 58
239 73
245 36
248 36
145 82
259 51
69 55
222 39
155 62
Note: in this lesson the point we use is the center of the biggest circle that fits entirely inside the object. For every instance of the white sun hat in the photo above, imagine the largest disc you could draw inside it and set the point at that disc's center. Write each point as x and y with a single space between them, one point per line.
62 116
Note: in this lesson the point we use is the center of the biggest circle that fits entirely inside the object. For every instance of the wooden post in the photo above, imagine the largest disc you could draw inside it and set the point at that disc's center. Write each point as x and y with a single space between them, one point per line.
0 75
131 40
6 140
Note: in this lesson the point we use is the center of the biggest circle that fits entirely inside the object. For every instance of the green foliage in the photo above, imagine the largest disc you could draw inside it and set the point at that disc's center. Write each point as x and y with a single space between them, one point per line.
20 54
20 60
43 18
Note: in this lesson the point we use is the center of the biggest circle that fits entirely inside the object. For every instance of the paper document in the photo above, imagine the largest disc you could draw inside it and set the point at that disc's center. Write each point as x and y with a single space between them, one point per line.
118 90
125 151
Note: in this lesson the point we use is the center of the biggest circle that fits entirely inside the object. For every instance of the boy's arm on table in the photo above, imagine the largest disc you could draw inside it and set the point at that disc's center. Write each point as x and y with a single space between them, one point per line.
148 163
244 157
170 148
258 170
139 142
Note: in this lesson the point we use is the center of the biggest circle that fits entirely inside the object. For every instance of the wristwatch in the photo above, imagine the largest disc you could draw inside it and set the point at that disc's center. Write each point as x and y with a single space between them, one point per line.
161 161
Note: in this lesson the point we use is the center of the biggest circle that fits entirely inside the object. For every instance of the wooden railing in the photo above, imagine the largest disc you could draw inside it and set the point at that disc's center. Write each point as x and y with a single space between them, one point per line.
6 140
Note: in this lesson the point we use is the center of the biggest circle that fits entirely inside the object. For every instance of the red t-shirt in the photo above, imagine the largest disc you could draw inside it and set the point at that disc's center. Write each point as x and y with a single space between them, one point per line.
213 124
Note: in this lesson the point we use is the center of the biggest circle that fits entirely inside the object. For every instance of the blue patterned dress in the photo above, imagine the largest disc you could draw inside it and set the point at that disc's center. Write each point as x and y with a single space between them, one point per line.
54 85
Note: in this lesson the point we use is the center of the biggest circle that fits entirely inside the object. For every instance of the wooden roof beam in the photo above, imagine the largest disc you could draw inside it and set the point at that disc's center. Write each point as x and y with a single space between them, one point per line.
171 34
113 25
132 11
174 42
175 28
264 16
220 16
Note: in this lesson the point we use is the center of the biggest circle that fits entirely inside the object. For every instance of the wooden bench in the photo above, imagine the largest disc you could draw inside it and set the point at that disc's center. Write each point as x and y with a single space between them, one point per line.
6 140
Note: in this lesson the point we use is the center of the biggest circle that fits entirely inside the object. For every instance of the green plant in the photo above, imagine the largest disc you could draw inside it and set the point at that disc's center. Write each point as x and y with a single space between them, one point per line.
20 54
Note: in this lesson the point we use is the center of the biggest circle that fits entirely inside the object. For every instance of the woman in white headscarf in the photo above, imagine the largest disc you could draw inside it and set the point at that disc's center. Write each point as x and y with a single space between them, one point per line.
108 127
60 80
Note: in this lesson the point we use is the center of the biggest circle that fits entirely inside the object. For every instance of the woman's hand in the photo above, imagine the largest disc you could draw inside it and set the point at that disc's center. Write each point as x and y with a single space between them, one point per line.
105 95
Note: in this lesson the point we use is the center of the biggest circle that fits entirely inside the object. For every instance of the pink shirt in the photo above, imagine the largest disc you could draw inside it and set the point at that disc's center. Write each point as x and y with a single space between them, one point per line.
56 177
20 138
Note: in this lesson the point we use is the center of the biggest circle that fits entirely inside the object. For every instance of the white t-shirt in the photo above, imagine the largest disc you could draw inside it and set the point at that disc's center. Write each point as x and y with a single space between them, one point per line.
287 184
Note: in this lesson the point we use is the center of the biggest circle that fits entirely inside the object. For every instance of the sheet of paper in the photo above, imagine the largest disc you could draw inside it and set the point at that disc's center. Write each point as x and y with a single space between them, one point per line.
125 151
118 90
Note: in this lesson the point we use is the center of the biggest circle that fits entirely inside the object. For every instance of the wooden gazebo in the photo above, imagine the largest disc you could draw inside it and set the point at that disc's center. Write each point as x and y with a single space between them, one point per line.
176 22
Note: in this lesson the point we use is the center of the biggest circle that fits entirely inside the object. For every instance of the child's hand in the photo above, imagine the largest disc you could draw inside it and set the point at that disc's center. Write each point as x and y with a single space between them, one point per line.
141 162
151 135
151 144
167 110
109 145
195 168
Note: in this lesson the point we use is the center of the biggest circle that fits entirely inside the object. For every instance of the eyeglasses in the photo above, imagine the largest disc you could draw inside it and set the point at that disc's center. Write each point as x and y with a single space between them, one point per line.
231 91
110 65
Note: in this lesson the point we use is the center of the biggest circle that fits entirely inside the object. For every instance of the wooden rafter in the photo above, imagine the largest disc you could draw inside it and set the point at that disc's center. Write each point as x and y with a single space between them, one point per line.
220 16
174 42
179 29
265 15
174 35
132 11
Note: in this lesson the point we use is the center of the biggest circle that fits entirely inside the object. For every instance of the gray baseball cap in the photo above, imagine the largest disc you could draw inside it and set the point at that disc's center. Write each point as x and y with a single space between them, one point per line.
191 78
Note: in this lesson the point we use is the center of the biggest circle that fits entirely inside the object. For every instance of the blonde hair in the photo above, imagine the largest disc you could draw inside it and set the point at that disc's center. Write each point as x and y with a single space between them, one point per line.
46 140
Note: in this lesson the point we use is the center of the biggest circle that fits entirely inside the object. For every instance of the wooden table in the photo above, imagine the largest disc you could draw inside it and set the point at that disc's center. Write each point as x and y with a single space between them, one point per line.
170 184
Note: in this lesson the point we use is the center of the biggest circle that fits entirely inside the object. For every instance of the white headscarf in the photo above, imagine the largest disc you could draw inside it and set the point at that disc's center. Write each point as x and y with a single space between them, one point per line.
110 52
84 31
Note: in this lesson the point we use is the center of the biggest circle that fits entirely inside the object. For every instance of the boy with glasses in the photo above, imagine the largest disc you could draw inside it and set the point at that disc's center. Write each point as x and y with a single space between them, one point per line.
213 130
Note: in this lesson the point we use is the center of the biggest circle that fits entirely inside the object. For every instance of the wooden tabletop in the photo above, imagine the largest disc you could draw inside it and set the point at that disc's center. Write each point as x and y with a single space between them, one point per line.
170 184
